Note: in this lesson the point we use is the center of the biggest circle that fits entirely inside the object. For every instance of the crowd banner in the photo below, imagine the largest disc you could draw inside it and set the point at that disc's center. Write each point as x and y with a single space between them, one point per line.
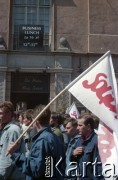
73 111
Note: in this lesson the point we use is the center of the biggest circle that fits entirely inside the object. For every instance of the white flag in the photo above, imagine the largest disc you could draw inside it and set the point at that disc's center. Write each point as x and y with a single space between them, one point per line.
73 111
96 89
108 149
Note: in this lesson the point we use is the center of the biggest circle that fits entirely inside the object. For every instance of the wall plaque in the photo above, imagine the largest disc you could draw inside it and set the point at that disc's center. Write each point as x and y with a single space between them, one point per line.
30 83
31 36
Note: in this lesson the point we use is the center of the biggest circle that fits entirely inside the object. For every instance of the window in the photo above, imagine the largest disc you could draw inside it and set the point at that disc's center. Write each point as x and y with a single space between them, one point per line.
31 24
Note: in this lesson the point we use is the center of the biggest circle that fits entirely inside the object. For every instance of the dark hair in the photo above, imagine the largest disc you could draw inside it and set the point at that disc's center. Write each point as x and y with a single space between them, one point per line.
54 115
73 121
88 119
44 118
28 114
57 117
65 116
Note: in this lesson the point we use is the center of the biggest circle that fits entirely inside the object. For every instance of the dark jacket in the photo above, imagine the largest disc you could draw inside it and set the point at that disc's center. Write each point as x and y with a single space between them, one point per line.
70 148
89 159
46 151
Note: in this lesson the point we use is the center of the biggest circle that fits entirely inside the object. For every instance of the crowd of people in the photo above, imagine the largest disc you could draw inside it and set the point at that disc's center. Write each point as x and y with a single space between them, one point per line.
56 146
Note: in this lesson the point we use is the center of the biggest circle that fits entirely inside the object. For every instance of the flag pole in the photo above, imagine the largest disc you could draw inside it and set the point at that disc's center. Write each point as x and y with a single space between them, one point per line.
66 88
34 120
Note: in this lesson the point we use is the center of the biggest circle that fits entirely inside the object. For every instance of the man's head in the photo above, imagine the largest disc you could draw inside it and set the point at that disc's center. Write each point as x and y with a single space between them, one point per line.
44 119
28 117
53 119
6 112
21 117
56 119
70 125
85 124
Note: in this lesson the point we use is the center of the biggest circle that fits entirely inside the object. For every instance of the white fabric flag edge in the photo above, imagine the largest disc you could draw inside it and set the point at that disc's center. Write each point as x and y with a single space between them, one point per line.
87 70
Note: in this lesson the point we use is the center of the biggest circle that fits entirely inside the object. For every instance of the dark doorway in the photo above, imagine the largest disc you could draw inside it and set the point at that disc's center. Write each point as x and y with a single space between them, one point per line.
30 88
32 100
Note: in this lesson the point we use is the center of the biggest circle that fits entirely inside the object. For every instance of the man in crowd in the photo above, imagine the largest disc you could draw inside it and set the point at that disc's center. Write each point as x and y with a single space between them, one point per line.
10 131
27 136
46 151
70 125
54 123
86 152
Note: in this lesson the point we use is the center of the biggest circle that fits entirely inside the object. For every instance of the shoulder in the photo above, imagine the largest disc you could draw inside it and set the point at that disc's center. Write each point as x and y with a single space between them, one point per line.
47 137
57 131
46 134
94 136
14 127
93 141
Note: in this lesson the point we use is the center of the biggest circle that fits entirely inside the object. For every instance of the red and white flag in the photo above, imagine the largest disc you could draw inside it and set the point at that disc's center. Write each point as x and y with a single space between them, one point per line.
73 111
108 149
96 89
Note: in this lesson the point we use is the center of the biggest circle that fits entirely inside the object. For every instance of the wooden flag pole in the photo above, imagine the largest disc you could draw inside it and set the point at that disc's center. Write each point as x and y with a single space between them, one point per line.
34 120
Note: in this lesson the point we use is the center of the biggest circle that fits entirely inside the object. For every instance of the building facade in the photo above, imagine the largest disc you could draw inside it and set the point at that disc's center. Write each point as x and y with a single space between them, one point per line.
45 44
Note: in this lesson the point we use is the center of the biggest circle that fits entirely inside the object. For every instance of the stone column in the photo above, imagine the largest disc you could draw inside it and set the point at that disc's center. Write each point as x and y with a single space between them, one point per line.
62 80
2 86
52 91
8 86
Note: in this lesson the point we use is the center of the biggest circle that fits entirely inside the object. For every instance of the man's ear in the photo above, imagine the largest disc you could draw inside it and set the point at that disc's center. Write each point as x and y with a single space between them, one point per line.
89 126
38 124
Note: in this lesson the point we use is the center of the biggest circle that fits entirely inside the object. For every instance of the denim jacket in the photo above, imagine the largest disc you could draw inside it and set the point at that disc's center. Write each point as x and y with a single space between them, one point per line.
45 145
90 155
9 134
70 148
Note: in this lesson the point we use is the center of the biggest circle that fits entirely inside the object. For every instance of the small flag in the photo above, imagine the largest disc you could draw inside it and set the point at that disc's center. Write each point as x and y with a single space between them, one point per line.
73 111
